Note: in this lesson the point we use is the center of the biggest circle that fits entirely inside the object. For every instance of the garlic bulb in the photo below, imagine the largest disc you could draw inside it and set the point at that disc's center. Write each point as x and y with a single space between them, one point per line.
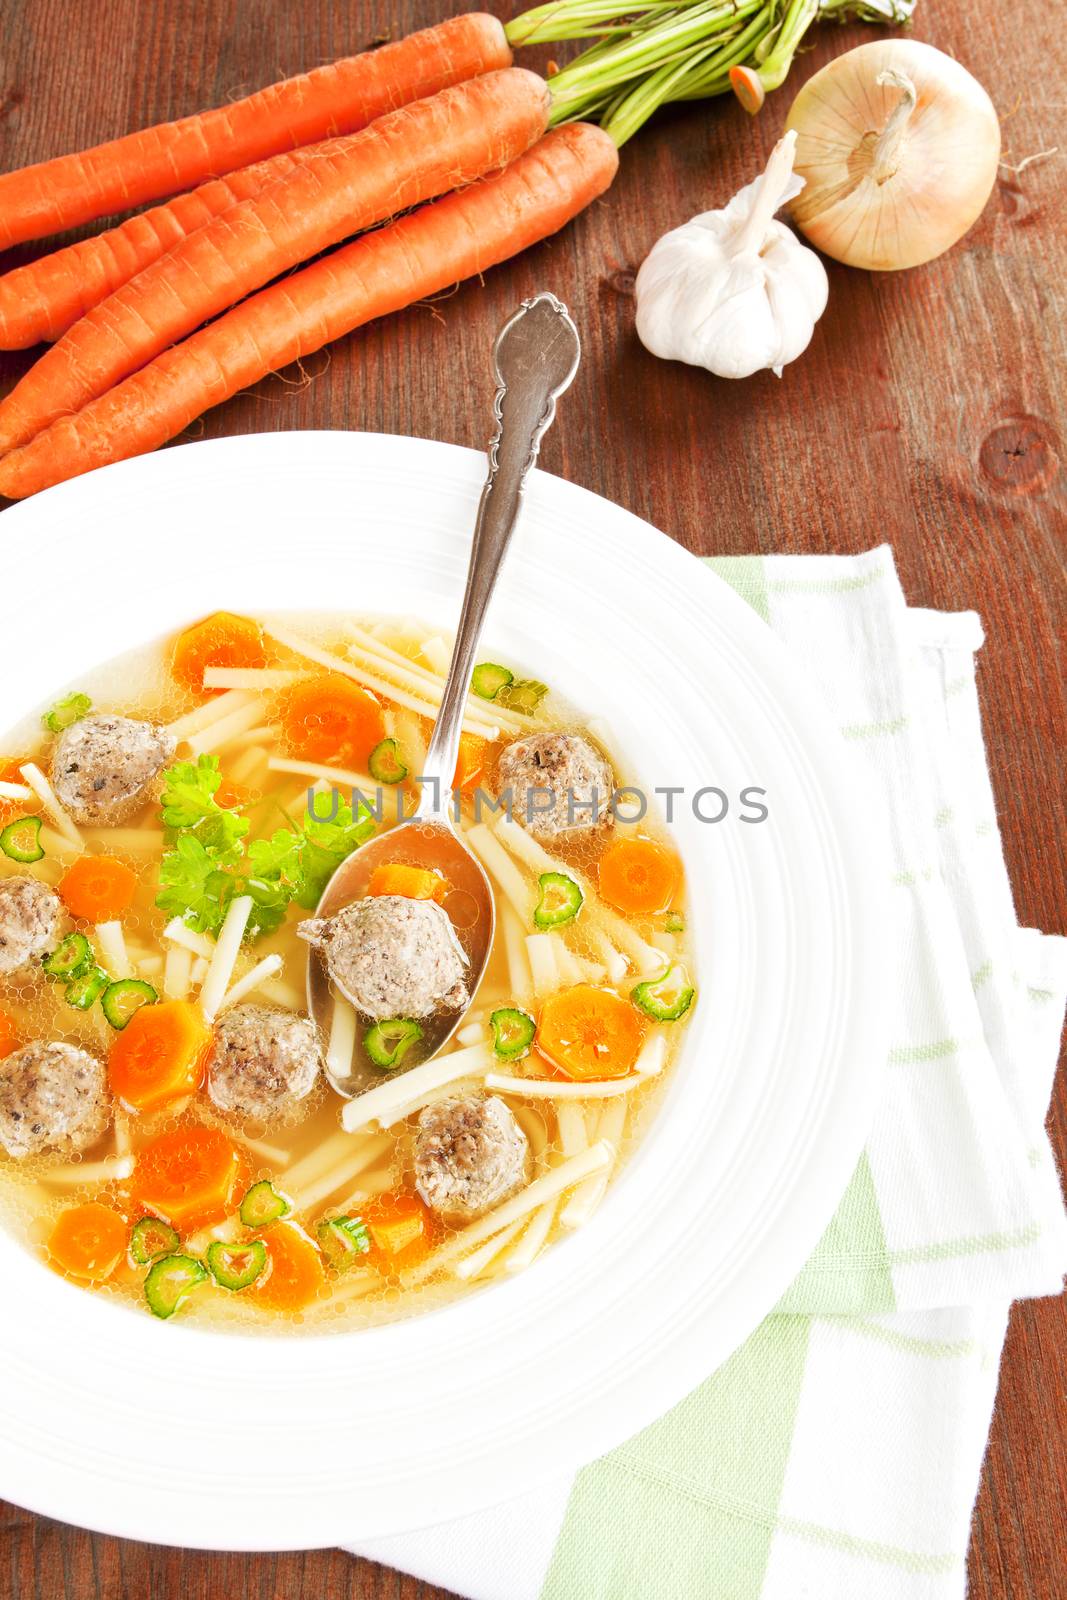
734 290
899 146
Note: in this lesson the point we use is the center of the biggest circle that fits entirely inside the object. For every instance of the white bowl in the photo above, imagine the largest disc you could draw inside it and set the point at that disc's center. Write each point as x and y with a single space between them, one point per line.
178 1435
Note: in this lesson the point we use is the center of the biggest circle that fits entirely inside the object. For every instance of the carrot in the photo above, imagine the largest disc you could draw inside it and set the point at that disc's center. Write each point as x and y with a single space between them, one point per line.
10 773
190 1176
9 1033
638 876
330 718
296 1275
589 1033
413 883
409 155
160 1055
46 297
221 640
88 1241
470 763
98 888
458 237
400 1228
338 98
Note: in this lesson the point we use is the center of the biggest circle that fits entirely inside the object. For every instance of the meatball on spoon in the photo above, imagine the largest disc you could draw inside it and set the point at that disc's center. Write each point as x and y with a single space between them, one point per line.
430 972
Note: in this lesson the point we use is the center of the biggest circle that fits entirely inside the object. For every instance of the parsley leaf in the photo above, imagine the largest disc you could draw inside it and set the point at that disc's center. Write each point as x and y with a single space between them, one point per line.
209 860
193 886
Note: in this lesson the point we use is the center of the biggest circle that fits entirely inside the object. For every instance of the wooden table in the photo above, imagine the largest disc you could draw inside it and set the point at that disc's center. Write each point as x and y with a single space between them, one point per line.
925 414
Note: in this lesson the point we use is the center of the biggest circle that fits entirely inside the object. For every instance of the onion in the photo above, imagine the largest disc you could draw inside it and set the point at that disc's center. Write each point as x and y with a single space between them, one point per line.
898 146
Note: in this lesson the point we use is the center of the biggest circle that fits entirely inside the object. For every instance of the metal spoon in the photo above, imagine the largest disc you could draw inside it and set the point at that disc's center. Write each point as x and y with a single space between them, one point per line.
535 357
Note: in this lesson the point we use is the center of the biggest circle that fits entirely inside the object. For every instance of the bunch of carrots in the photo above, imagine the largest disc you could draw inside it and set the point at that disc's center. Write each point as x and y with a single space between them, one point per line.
177 309
173 311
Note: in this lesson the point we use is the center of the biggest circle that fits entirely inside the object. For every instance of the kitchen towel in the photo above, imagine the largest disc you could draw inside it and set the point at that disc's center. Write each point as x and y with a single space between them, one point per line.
837 1453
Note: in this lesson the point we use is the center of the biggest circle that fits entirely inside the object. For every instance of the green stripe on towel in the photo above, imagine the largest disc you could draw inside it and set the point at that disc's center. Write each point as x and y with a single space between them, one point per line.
849 1269
746 575
689 1507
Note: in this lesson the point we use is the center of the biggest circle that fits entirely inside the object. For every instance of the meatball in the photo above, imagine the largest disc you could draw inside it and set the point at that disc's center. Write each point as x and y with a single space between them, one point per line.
29 923
264 1062
105 769
52 1097
559 783
392 957
470 1154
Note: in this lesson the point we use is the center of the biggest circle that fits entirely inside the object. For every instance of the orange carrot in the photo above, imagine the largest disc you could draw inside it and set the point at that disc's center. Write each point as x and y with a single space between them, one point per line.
470 762
412 883
190 1176
296 1274
159 1056
334 99
10 773
221 640
420 255
46 297
9 1033
401 1230
88 1241
589 1033
639 876
330 718
409 155
98 888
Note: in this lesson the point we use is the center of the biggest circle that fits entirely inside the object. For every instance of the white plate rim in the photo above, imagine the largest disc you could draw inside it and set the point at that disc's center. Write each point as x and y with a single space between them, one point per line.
72 1475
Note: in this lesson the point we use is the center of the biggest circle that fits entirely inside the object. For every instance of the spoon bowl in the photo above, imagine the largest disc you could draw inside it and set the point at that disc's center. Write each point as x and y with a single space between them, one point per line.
420 842
535 358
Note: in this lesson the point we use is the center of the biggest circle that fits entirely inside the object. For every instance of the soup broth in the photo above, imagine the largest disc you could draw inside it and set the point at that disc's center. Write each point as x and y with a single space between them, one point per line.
186 1152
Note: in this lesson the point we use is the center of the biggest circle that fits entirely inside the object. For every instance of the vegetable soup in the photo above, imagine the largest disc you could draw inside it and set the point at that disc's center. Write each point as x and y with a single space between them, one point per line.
168 1133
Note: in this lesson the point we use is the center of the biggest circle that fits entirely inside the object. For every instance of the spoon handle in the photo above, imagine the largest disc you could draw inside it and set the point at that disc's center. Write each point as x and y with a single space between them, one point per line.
535 357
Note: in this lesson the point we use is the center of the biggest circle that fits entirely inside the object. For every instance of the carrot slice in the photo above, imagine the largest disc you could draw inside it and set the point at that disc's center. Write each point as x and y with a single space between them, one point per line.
639 876
470 764
413 883
330 718
401 1230
221 640
589 1033
296 1275
160 1055
88 1242
9 1034
9 773
190 1176
98 888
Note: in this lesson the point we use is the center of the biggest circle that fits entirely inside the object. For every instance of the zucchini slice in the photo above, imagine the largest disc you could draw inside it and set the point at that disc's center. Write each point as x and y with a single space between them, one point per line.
513 1033
488 679
151 1238
386 764
125 996
21 840
235 1266
560 900
667 997
387 1043
85 990
70 959
170 1282
263 1205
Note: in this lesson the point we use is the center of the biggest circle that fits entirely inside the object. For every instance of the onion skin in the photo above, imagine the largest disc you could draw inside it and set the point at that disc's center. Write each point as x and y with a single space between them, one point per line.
929 190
